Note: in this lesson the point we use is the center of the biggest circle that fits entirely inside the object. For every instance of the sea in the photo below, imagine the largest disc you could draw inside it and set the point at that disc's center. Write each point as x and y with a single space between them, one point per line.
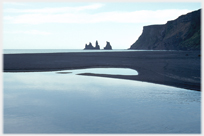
63 102
18 51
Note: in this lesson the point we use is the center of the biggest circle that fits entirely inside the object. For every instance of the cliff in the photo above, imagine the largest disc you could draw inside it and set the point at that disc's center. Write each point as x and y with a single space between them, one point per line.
183 33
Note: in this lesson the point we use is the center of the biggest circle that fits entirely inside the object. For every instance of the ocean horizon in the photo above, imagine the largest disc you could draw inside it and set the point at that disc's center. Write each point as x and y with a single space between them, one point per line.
20 51
17 51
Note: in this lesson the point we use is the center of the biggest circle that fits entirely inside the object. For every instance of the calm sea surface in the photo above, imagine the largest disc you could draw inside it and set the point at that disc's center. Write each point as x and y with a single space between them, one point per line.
50 102
16 51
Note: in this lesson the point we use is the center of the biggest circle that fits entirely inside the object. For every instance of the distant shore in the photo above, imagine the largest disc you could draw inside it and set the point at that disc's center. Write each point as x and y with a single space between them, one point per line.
174 68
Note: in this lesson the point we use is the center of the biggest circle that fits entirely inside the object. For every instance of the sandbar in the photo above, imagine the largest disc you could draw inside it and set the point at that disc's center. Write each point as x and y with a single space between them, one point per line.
174 68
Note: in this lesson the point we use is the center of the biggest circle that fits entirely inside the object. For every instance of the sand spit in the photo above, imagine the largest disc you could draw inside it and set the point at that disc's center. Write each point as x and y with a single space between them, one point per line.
175 68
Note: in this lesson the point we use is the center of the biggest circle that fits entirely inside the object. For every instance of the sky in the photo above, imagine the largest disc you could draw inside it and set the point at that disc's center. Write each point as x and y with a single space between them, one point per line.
71 25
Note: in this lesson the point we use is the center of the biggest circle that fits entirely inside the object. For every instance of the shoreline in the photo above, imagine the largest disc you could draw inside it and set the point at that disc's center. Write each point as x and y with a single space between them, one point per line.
174 68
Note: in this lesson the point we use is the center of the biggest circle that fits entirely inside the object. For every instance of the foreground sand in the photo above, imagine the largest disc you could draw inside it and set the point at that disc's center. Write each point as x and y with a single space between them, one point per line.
175 68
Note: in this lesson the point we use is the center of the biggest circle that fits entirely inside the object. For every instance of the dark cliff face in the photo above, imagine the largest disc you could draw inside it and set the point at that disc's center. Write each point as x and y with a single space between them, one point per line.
183 33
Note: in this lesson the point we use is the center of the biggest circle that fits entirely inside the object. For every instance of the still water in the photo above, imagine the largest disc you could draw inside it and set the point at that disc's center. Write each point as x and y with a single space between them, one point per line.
109 71
47 102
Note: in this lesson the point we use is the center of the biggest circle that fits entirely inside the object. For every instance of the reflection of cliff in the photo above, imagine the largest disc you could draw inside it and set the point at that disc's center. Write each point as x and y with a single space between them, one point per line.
97 47
183 33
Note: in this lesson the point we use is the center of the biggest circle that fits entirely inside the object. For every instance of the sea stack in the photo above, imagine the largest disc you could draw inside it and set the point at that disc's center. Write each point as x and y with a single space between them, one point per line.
90 46
108 46
97 46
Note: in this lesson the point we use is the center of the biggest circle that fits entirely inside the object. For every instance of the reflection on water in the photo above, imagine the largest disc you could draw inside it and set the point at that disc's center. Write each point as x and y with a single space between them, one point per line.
47 102
109 71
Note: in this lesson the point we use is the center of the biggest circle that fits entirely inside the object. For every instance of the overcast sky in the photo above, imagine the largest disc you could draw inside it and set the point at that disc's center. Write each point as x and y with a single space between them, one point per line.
71 25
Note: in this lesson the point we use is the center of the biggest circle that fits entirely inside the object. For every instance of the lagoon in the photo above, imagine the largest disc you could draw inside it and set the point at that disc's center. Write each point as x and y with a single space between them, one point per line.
51 103
107 71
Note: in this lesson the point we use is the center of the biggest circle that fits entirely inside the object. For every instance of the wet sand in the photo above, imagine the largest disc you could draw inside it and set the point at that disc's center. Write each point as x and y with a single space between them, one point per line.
174 68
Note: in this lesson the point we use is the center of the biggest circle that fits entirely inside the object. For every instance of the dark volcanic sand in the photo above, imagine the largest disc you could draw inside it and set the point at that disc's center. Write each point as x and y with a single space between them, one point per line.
175 68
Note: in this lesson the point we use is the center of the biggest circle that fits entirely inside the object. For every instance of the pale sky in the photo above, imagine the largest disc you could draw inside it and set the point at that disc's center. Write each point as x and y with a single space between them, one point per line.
66 25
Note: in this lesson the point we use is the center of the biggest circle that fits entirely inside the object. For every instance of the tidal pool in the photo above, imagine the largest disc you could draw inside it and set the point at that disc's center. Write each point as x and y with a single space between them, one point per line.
46 102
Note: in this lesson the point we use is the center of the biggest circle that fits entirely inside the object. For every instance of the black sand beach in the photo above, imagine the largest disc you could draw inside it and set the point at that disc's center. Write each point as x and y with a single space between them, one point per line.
174 68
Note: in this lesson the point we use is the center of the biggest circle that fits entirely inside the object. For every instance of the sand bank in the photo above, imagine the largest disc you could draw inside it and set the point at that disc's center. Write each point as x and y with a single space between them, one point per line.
175 68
